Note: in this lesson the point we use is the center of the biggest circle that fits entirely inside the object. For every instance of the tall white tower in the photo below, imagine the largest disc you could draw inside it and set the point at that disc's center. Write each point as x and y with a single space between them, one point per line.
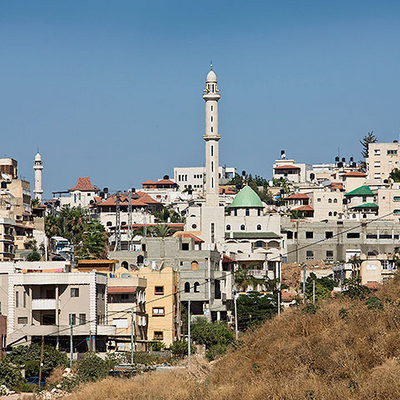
38 167
211 96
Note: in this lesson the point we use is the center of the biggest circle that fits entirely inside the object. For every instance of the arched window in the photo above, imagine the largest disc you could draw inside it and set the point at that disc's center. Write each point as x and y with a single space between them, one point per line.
124 264
235 212
259 227
330 213
194 265
187 287
259 243
334 213
364 215
228 227
247 212
335 200
123 223
109 223
242 227
329 200
259 212
196 287
140 259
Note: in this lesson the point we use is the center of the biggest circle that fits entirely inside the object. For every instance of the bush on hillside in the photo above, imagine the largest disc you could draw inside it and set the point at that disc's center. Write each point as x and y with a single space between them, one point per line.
91 368
10 375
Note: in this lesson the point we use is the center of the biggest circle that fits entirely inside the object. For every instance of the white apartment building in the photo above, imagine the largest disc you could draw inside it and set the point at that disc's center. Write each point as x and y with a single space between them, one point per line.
195 177
382 159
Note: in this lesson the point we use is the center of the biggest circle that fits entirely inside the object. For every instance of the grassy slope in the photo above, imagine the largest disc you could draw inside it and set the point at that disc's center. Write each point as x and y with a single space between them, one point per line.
295 356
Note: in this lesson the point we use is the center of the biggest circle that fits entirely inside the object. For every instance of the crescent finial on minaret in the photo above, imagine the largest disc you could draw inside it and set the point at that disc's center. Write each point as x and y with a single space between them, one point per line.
211 66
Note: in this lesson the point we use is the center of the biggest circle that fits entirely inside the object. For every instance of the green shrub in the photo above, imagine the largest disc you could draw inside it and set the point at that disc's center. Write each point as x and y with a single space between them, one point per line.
343 313
216 351
10 375
157 346
91 368
309 308
180 348
374 303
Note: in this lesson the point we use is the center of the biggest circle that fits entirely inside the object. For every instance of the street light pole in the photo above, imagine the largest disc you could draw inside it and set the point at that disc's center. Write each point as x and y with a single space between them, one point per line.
236 317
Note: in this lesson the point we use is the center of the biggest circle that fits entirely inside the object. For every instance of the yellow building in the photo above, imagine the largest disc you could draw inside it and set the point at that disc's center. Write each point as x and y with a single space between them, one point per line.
162 303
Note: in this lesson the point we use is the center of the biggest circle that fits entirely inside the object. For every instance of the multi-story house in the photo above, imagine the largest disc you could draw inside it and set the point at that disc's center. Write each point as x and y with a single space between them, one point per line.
127 310
47 304
382 159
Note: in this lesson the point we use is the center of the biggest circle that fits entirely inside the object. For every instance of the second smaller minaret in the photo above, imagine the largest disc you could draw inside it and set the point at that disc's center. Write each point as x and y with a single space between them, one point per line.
38 167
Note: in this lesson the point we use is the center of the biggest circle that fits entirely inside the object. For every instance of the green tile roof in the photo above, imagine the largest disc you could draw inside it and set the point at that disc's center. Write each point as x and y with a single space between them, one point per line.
246 198
366 205
251 235
360 191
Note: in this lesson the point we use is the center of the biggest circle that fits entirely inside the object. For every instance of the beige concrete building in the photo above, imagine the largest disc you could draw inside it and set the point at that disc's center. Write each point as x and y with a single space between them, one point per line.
373 268
127 310
382 159
38 303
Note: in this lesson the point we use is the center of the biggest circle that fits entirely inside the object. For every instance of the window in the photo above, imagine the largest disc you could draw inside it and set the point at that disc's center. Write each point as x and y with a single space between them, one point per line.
82 319
228 227
385 264
72 319
23 320
158 311
235 212
319 199
212 151
16 299
74 292
334 213
159 290
330 213
212 166
194 265
309 255
289 234
247 213
158 335
259 212
329 255
196 287
259 227
377 176
328 235
212 108
391 152
309 235
377 152
396 198
109 223
242 227
212 232
335 200
353 235
329 200
194 226
377 164
212 129
120 323
185 246
187 287
24 300
212 119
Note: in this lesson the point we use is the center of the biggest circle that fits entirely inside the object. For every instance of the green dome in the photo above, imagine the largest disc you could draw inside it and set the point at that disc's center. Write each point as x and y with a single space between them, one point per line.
246 198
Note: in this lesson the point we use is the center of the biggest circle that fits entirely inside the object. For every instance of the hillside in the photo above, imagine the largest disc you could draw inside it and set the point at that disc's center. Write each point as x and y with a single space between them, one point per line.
346 350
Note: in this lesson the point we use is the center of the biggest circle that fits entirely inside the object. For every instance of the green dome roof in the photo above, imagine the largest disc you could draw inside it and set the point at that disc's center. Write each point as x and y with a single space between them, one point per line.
246 198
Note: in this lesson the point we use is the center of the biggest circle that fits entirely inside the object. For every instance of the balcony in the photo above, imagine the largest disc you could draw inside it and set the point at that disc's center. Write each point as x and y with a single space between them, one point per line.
45 304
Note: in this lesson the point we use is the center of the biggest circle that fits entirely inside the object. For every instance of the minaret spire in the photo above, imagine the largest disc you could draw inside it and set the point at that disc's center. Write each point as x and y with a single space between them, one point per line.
38 167
211 96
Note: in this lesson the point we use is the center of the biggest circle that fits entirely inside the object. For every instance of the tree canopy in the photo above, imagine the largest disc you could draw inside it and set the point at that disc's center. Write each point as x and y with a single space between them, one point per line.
366 140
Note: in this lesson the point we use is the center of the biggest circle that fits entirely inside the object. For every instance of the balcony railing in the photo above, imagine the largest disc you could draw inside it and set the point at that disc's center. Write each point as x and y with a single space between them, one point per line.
45 304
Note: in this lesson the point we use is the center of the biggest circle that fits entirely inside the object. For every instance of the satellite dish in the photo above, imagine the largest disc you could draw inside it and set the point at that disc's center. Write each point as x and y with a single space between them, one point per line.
146 262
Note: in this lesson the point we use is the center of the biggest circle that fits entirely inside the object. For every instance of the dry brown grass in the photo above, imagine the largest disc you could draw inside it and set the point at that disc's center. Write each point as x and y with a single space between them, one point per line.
56 375
295 356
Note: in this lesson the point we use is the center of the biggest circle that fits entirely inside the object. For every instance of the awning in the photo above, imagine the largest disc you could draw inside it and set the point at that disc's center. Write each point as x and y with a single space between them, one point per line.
121 289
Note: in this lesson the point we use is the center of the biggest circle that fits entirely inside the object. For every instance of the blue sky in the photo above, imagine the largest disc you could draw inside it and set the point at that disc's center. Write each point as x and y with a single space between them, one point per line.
113 89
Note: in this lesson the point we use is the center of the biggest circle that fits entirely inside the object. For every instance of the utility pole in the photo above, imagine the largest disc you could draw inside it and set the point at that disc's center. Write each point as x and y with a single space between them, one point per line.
304 283
236 317
41 362
130 233
71 341
313 291
189 337
132 336
279 288
144 223
117 222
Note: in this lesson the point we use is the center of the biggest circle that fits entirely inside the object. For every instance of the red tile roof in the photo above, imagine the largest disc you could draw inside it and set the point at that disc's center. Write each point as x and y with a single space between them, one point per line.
149 182
83 185
165 182
297 196
146 198
355 174
227 259
303 208
287 167
188 235
124 201
287 297
228 190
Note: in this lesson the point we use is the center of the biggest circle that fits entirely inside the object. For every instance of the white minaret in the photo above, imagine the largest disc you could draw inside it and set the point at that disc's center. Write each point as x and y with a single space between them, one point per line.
211 96
38 167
